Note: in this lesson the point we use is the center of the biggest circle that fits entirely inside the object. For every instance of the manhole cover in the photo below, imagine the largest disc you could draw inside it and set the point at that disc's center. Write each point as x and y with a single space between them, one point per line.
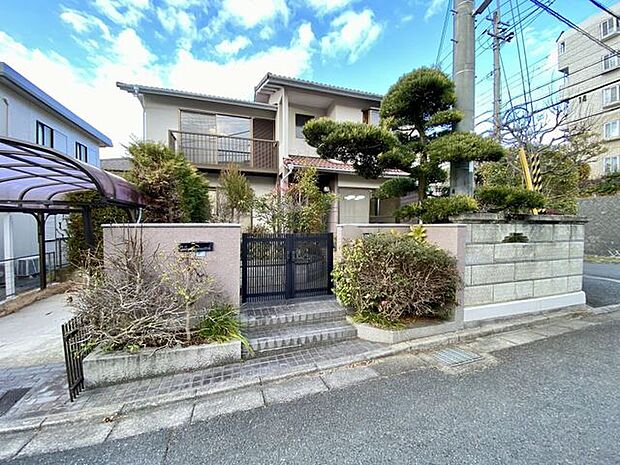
455 357
10 398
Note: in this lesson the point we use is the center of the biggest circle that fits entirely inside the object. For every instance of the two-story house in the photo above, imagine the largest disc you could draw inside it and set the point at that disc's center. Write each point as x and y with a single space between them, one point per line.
264 137
591 83
29 114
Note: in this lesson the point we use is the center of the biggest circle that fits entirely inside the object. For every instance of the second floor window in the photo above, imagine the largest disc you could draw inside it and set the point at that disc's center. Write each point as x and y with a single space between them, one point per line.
610 62
300 121
611 130
611 164
371 116
611 95
561 48
45 135
81 152
609 26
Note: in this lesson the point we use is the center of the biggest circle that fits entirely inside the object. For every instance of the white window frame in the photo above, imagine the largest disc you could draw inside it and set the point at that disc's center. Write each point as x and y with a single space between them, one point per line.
561 48
610 62
611 164
611 130
615 101
613 27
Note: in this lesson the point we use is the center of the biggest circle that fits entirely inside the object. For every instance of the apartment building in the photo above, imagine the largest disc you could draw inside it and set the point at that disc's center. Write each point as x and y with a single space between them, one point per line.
264 137
591 83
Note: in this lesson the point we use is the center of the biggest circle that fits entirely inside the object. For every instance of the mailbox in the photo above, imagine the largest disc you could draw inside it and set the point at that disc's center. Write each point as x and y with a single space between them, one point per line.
199 248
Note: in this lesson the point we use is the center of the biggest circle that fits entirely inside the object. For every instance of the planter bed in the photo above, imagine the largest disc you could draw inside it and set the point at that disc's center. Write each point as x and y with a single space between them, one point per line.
417 330
105 368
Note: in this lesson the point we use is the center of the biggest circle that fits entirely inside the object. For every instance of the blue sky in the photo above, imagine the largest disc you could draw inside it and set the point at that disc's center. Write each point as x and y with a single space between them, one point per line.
77 50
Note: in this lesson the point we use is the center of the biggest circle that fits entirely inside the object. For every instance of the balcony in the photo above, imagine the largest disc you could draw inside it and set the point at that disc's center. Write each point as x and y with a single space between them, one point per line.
216 151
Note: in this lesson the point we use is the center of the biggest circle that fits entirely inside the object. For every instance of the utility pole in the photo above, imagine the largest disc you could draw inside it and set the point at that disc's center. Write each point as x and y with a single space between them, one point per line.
463 74
497 76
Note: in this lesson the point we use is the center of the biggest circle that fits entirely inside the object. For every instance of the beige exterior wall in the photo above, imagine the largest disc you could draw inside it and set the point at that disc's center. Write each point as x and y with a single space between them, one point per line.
162 114
584 60
223 263
299 146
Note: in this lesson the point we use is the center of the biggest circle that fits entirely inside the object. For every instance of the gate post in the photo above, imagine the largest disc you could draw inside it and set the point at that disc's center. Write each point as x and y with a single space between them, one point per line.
289 247
244 267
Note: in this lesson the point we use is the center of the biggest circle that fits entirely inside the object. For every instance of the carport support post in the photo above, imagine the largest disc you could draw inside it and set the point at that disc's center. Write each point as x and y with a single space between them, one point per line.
88 228
40 217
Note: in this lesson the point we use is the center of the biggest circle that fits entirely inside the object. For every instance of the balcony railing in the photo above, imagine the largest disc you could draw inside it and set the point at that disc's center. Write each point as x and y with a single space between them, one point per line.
212 150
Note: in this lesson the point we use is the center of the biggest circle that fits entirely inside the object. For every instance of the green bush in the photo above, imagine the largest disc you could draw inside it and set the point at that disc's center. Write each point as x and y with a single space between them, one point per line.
509 198
607 185
385 277
77 248
221 324
438 209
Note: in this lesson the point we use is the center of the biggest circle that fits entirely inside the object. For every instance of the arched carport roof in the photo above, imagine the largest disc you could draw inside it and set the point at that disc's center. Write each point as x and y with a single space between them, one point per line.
35 179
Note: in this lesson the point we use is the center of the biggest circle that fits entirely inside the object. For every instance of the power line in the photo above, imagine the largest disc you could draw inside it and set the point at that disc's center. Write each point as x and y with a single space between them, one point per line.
605 9
443 32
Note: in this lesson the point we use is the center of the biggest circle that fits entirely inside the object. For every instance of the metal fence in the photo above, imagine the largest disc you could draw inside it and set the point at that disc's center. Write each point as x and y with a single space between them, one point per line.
285 266
75 339
216 150
26 270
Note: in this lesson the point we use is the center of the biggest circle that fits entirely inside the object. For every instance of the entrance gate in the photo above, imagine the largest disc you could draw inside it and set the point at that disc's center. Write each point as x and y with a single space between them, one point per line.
285 266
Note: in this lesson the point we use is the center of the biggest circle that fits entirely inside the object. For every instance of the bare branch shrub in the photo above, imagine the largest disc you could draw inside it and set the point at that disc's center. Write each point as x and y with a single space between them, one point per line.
134 300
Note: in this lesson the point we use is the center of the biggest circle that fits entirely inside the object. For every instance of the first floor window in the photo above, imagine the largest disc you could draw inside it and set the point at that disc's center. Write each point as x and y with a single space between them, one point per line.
371 116
300 121
610 62
45 135
612 129
561 48
81 152
611 164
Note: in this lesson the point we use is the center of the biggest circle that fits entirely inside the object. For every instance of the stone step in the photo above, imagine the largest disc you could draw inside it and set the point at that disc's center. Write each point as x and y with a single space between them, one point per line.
315 311
271 340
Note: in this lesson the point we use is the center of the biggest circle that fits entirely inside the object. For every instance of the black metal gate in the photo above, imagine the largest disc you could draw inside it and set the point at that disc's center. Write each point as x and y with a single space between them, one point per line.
285 266
75 340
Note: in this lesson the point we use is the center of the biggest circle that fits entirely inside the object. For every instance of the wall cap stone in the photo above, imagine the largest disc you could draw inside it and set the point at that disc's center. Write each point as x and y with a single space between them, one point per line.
499 218
172 225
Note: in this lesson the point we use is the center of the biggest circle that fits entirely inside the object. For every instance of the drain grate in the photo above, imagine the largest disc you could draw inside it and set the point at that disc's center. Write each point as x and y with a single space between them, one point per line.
455 357
10 398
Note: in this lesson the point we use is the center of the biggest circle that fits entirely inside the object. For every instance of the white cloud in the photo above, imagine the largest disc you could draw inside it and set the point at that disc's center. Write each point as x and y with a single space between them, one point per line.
351 36
84 23
123 12
92 93
266 33
250 13
232 47
178 21
237 78
434 7
328 6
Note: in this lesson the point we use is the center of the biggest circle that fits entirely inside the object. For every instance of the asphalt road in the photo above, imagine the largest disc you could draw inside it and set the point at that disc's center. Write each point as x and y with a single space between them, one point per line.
552 401
601 283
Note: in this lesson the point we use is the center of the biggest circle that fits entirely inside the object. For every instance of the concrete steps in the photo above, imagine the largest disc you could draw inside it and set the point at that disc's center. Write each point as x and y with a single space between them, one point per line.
276 328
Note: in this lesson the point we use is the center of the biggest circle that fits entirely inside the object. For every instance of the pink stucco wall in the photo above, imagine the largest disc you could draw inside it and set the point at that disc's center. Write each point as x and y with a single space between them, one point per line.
223 263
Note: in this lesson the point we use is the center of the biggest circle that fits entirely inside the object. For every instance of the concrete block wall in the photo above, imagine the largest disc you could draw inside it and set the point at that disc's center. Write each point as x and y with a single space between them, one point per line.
509 278
603 213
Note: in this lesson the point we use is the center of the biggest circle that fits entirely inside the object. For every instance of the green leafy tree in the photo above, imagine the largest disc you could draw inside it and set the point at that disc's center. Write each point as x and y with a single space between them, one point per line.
417 135
174 189
235 194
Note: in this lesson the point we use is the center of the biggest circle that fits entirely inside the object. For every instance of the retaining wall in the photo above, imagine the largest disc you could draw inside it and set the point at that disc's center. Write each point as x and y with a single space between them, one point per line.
223 263
602 234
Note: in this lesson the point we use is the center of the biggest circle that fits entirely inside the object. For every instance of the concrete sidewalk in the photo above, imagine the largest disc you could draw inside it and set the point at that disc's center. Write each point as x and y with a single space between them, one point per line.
91 423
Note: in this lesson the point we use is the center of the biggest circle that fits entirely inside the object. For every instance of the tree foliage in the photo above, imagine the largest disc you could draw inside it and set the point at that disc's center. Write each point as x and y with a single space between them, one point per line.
235 194
175 191
301 207
438 209
416 135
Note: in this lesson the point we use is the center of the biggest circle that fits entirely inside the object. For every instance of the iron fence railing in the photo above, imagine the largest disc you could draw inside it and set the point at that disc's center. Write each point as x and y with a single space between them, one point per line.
75 339
26 270
216 150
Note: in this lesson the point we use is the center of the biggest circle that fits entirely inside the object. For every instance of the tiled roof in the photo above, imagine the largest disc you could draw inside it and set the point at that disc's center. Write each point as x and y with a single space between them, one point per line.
322 164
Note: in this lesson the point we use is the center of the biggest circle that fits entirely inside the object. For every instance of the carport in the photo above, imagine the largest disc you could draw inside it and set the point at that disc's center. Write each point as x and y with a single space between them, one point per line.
35 180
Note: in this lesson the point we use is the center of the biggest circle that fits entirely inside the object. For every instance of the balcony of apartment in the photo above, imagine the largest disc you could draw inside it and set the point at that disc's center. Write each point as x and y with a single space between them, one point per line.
215 151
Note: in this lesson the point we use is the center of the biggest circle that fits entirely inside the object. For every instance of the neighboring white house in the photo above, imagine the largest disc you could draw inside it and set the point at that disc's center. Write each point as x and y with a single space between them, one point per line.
29 114
592 83
264 137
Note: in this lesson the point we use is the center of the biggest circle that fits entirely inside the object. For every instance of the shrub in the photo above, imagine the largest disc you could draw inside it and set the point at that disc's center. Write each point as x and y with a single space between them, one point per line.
235 195
174 189
509 198
607 185
144 300
438 209
393 276
221 324
77 248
